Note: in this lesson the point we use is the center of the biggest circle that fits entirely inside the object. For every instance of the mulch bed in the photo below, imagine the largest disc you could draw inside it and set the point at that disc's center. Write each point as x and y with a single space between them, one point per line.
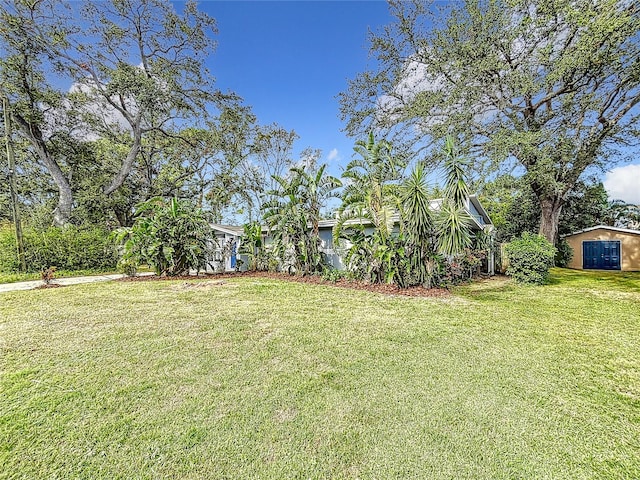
48 285
310 279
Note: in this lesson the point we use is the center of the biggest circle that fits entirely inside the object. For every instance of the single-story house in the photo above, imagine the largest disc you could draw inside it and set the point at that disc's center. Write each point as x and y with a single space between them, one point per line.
605 248
228 239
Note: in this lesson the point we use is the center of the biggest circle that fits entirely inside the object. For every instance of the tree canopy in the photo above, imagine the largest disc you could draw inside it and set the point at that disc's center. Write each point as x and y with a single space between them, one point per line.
548 85
128 70
113 105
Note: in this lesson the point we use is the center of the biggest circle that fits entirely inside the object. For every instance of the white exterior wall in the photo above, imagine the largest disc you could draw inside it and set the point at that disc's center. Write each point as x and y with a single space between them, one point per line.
215 264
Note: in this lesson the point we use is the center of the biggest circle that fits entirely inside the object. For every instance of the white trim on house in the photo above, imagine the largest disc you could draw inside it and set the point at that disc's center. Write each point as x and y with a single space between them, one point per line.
229 229
603 227
476 203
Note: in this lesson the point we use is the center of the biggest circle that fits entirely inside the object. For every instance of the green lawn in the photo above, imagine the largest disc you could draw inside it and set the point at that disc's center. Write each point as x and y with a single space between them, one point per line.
260 378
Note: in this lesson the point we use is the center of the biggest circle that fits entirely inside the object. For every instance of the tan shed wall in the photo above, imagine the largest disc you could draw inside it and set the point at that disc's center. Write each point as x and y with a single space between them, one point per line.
629 247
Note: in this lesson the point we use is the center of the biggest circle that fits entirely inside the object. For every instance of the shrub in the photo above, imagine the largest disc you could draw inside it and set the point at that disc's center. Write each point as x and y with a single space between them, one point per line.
128 267
70 248
8 250
332 274
530 258
173 237
564 254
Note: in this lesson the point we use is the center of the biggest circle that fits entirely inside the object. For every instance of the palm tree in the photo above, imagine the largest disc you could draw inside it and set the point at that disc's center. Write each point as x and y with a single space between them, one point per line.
315 187
371 196
371 192
251 244
621 214
287 221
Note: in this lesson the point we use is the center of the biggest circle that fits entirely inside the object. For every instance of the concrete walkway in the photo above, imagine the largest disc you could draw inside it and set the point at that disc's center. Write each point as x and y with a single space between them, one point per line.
31 284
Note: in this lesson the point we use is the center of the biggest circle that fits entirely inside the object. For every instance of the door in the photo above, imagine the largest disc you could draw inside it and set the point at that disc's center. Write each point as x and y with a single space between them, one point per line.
234 252
601 254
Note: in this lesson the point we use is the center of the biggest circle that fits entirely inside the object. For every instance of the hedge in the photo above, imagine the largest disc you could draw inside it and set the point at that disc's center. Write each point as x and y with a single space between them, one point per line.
69 248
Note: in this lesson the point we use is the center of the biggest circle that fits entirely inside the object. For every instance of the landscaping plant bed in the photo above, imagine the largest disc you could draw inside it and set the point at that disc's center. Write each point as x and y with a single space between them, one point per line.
313 279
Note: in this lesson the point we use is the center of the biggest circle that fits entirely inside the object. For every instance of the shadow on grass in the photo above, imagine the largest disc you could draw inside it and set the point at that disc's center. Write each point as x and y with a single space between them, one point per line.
499 287
601 279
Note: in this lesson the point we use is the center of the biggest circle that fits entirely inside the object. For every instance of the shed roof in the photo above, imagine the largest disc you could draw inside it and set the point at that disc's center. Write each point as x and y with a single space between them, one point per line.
604 227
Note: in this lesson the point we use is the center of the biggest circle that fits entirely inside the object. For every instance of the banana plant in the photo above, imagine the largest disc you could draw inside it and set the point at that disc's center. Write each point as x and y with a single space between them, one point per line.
173 237
293 217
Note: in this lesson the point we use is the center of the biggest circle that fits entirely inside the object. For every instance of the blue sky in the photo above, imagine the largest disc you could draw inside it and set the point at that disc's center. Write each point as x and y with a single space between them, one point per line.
290 59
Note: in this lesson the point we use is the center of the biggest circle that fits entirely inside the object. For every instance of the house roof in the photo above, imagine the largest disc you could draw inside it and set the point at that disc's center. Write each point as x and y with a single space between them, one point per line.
476 203
482 222
435 205
230 229
604 227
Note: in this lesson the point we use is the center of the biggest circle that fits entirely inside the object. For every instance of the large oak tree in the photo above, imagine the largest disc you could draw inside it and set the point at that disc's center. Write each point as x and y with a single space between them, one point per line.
137 68
550 85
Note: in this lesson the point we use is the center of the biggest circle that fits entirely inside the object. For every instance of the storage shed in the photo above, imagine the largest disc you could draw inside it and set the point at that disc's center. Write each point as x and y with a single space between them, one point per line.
605 248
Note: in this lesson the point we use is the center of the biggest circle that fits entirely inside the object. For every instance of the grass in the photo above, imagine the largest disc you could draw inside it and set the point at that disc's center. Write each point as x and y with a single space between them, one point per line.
259 378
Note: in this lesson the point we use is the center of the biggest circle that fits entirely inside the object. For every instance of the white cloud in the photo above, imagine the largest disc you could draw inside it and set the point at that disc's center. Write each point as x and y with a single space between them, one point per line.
623 183
333 155
417 78
98 107
74 118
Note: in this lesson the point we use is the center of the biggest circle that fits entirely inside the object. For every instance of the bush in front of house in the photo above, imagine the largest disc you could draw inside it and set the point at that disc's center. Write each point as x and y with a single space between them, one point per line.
172 236
530 258
70 248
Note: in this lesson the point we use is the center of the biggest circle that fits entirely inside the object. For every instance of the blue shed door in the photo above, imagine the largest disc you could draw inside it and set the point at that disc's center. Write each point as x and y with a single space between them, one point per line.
601 254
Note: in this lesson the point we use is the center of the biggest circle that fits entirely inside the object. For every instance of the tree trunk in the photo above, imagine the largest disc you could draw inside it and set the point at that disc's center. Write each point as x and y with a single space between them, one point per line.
62 212
127 164
550 216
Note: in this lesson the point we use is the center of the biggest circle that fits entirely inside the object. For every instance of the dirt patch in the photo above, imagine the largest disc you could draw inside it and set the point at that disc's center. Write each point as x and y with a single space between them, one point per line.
199 285
286 414
152 278
216 279
613 295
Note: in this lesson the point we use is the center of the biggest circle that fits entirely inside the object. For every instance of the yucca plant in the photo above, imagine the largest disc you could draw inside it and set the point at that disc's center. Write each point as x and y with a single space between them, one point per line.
418 227
453 222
